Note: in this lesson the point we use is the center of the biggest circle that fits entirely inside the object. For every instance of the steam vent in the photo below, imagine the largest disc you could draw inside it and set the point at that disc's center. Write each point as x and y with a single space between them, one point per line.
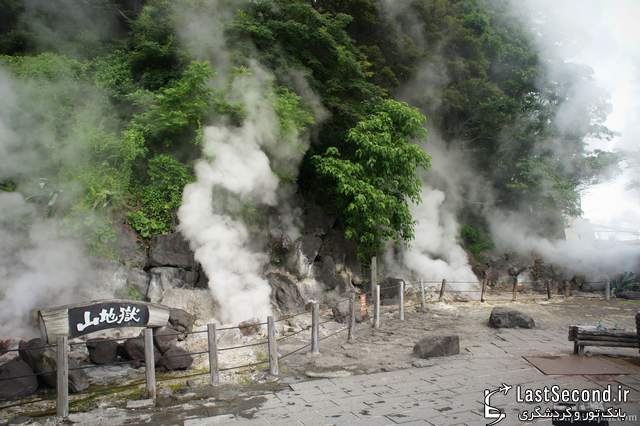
356 212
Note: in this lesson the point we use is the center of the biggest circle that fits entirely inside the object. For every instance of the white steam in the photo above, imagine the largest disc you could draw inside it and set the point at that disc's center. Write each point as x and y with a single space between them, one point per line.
236 171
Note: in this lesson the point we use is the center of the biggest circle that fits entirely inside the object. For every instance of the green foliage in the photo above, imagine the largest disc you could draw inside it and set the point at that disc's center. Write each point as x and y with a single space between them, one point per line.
154 56
160 197
475 241
627 281
374 180
178 108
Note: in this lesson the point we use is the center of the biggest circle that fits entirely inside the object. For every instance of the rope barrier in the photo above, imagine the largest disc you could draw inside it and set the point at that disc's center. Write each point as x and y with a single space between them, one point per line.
21 403
264 342
292 334
295 351
243 366
291 316
3 379
333 334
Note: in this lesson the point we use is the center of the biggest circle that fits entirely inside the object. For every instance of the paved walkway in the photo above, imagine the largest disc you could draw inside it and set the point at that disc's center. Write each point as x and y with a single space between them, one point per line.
447 392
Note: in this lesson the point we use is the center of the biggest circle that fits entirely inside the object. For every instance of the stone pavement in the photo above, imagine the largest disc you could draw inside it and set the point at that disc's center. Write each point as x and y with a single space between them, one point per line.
442 391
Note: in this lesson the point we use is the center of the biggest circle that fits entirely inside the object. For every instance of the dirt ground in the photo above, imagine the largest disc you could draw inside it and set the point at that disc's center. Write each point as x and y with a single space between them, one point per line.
388 348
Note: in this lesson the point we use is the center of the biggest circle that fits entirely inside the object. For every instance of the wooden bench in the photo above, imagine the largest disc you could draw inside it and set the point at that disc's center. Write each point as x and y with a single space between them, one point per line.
586 335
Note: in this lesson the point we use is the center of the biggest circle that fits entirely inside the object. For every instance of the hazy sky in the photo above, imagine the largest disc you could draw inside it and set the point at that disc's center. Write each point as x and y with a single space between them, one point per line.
605 35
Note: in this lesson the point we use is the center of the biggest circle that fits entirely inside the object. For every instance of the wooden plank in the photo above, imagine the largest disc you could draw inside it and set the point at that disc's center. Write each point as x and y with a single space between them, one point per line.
213 354
401 300
54 321
352 315
605 343
376 307
422 296
149 363
273 346
442 287
315 328
607 338
62 382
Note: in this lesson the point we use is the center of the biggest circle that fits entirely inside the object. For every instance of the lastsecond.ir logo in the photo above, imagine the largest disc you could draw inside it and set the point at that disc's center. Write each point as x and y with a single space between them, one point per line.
491 412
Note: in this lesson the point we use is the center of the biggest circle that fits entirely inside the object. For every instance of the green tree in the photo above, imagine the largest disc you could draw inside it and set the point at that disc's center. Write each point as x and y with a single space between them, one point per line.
375 178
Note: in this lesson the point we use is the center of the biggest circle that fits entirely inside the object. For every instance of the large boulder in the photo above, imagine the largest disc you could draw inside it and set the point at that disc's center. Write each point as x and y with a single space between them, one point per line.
176 359
131 251
171 250
170 277
341 311
102 351
43 362
26 384
432 346
502 317
181 320
284 292
343 252
133 350
138 279
164 338
249 327
327 273
78 379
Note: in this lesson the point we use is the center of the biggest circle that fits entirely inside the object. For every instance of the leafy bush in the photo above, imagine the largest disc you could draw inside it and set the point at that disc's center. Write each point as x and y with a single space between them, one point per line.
475 241
160 197
373 181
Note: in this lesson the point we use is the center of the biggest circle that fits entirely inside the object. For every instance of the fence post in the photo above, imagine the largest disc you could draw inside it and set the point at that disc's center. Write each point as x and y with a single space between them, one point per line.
352 315
484 286
374 274
315 328
401 299
421 295
149 363
273 346
607 290
444 283
62 383
567 289
548 289
376 307
515 289
213 354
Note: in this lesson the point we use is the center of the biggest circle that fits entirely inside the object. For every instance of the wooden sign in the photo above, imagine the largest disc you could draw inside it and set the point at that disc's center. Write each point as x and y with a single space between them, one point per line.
80 319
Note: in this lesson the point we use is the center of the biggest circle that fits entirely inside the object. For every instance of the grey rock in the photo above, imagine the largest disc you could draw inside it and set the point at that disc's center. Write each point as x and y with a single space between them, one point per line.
138 279
164 338
628 294
140 403
432 346
102 351
43 362
343 252
249 327
20 420
284 292
155 292
17 388
32 350
502 317
78 379
316 221
130 249
133 350
170 277
341 311
176 359
181 320
171 250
